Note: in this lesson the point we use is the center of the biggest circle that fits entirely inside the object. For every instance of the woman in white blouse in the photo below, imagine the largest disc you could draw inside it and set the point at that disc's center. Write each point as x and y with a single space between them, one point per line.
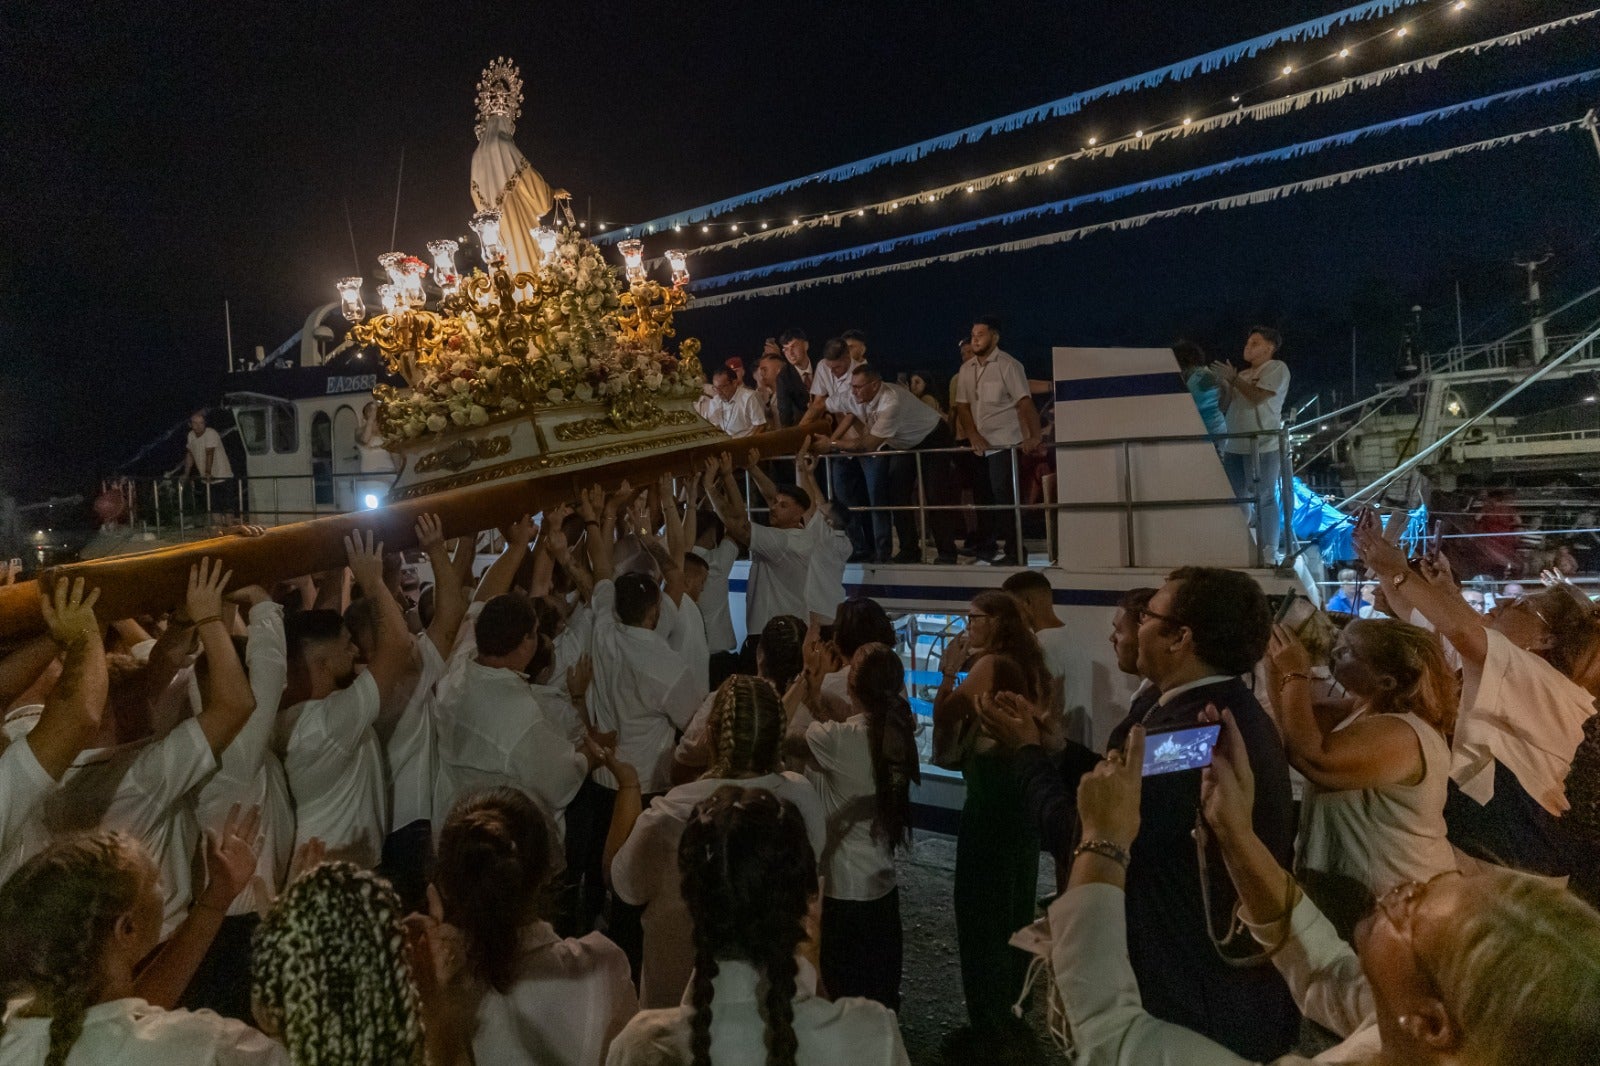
1377 765
1496 969
750 882
1530 673
746 732
544 1000
863 767
76 920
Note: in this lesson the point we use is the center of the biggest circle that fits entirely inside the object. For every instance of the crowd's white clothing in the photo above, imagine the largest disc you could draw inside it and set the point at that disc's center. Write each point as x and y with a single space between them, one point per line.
835 388
834 694
714 604
992 387
738 417
1524 713
898 417
849 1030
24 784
141 789
641 690
248 773
1267 416
855 865
570 998
209 440
130 1032
645 873
411 757
1089 954
334 763
1063 657
685 628
830 551
780 565
491 730
1385 836
694 747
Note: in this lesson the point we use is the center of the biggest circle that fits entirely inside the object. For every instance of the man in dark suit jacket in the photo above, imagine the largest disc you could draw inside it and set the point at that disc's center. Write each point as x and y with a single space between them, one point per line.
1199 633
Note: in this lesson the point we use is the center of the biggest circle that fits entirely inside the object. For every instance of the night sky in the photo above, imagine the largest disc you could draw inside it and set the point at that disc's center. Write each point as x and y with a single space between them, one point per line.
162 158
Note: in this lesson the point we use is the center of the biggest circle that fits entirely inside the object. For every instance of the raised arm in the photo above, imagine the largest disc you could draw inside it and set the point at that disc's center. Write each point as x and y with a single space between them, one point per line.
764 484
1430 589
676 547
805 465
497 579
728 505
553 538
1372 752
392 650
449 606
20 669
71 716
228 701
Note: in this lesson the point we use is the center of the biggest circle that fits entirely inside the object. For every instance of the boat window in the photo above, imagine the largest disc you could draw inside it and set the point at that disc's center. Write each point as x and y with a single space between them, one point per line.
322 458
252 423
285 429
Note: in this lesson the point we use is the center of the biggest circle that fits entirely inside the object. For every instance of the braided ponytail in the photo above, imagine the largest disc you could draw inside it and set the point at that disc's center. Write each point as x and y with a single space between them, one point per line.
748 879
878 683
330 968
56 914
745 728
780 654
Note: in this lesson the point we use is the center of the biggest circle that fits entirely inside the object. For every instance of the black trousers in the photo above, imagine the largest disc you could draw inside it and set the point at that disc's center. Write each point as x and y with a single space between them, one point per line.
408 863
222 983
993 486
588 819
863 948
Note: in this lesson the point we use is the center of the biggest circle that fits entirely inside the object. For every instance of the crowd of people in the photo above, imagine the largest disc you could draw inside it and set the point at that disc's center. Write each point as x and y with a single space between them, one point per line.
546 810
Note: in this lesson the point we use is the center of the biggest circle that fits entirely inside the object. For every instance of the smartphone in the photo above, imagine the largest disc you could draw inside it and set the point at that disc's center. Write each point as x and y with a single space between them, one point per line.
1181 749
1435 539
1286 605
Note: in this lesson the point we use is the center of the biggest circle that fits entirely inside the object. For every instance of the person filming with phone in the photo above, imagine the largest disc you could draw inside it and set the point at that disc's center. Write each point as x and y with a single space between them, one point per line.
1199 633
1496 969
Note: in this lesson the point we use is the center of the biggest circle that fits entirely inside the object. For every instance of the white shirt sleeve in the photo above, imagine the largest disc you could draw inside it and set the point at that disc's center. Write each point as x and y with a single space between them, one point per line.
343 718
24 784
266 658
1015 381
1274 377
167 769
547 766
649 855
1322 973
963 392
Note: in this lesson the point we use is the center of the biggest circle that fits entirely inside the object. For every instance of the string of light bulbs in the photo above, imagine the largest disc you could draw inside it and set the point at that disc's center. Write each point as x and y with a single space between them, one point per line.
1168 181
1179 71
1224 203
1187 126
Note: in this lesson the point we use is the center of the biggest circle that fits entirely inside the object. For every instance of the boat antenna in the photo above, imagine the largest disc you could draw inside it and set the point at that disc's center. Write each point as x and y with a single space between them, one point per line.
394 227
351 227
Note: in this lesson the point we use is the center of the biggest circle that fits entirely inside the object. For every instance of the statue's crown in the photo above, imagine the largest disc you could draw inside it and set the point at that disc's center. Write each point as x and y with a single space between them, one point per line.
500 91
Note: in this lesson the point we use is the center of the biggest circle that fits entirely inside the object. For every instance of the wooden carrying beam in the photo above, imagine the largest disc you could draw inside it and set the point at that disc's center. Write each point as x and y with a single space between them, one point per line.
156 580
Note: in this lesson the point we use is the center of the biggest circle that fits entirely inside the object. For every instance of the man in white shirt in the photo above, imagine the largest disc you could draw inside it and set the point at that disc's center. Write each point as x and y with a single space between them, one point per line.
32 765
890 418
995 410
205 455
780 552
492 728
847 483
330 749
732 408
1063 656
1252 399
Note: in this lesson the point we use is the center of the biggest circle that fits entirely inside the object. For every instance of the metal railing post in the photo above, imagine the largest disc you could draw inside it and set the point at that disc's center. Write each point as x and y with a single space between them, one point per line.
922 506
1285 498
1020 550
1255 498
1127 499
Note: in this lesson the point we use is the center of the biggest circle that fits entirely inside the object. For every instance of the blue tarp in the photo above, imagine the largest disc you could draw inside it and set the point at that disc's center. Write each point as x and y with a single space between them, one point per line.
1317 520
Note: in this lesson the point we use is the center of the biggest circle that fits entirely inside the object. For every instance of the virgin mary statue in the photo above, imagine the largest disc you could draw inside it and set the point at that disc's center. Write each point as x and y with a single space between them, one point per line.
502 178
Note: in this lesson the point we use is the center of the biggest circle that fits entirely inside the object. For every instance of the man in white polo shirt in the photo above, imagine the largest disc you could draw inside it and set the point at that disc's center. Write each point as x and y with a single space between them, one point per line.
995 410
891 418
1252 400
780 552
733 408
847 483
331 753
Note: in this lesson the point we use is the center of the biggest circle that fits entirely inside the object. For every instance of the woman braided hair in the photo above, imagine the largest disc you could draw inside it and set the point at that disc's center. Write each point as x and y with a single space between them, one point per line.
745 728
878 683
494 861
780 652
749 877
330 973
57 917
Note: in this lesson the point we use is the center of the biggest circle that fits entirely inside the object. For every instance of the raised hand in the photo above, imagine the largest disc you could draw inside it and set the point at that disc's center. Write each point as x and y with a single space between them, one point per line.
365 559
231 857
725 464
70 614
1228 785
956 653
1108 796
249 596
520 532
430 533
590 502
1011 720
207 579
753 457
1287 654
580 675
307 857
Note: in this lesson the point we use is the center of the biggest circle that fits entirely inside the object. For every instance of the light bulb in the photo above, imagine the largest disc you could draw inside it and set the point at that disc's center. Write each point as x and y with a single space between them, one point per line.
350 299
972 188
1050 166
1187 120
1234 97
1461 5
677 229
796 222
1011 177
1138 133
705 229
1344 53
861 212
632 258
1093 141
734 227
763 225
1402 31
371 501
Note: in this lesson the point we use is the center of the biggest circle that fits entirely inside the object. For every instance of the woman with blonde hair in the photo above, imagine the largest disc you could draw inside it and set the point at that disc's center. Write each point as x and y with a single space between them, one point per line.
76 921
745 730
1377 765
1494 969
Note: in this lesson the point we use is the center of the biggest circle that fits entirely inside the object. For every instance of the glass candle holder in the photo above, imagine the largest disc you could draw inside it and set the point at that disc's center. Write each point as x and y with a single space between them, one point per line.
444 265
632 258
390 261
678 261
486 224
389 296
350 303
412 273
545 238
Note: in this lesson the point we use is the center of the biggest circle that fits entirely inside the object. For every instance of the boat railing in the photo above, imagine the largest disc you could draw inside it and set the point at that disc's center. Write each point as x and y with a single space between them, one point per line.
193 507
1018 510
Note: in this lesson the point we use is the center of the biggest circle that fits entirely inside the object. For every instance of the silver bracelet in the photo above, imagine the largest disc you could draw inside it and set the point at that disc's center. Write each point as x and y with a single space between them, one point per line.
1105 849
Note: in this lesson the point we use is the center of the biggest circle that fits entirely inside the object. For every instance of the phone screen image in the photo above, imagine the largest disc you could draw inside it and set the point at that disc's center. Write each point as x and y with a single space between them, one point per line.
1181 749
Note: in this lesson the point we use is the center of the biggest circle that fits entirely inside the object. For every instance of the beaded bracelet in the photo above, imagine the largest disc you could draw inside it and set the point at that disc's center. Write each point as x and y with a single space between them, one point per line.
1105 849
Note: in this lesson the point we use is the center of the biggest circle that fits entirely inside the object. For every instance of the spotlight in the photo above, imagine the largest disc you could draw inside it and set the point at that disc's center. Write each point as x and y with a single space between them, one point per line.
370 501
